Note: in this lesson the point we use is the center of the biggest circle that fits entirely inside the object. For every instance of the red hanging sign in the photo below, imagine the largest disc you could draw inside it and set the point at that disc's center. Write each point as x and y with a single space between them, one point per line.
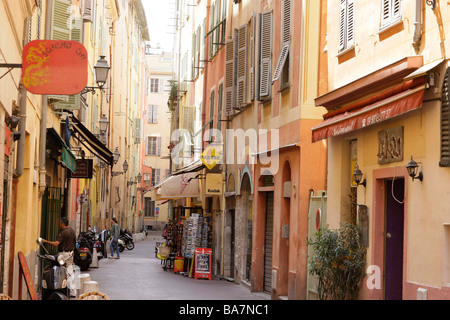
54 67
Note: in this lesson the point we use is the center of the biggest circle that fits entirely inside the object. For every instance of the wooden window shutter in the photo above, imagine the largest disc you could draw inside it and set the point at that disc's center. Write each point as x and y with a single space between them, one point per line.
286 22
137 126
65 27
87 10
281 61
61 20
386 12
342 24
252 56
242 66
396 9
229 77
158 146
265 55
350 23
445 123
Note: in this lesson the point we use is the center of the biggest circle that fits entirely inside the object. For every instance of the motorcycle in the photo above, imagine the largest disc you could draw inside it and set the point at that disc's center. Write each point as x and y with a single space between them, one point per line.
120 243
83 253
54 276
127 238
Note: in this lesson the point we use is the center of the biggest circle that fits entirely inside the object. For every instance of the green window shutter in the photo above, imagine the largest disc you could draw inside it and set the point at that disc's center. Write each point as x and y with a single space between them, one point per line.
65 27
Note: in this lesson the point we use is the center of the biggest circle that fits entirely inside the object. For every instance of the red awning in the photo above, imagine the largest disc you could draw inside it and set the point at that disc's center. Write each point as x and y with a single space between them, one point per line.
370 114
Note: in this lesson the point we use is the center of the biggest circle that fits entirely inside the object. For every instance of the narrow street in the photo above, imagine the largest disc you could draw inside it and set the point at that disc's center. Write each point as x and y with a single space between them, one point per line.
138 276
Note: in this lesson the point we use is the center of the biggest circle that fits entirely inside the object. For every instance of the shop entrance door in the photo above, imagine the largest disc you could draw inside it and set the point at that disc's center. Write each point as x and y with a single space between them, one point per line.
268 243
393 266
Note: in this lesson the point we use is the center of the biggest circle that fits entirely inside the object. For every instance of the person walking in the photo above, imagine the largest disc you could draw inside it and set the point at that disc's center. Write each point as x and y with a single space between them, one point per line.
115 233
103 239
66 242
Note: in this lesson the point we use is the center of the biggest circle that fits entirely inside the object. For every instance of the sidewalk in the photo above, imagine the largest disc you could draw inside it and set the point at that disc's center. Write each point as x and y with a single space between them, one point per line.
138 276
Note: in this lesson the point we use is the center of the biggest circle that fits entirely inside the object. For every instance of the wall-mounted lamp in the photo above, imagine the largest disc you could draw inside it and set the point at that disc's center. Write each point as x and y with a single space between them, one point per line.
125 165
412 168
138 180
101 75
13 121
116 155
357 176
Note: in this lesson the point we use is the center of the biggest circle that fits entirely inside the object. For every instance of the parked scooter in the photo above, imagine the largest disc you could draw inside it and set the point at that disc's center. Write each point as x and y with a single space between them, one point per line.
127 238
83 253
120 243
54 276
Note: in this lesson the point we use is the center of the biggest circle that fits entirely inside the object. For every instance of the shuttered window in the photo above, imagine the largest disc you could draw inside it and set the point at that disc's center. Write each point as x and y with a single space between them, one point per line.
137 130
445 123
347 25
390 13
242 66
252 56
265 72
283 59
153 147
229 78
153 114
64 26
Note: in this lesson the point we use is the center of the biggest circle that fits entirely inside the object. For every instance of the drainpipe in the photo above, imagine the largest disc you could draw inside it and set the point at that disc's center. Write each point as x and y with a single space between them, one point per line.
417 25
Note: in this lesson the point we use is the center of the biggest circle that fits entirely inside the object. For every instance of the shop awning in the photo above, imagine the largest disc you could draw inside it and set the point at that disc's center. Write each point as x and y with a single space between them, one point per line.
192 167
91 142
181 186
67 157
370 114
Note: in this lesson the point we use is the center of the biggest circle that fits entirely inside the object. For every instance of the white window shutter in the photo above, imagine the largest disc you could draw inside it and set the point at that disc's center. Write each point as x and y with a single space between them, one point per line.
396 9
265 55
386 12
137 126
342 25
150 114
87 10
155 114
350 23
229 77
242 66
158 146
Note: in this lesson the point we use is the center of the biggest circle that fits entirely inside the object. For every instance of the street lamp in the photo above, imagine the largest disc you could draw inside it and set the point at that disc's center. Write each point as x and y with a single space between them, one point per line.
125 164
357 176
103 124
412 168
101 70
116 155
138 179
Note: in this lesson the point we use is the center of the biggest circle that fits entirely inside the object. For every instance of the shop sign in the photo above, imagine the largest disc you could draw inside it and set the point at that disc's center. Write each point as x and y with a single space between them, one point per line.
202 263
68 159
390 145
214 184
54 67
212 156
83 169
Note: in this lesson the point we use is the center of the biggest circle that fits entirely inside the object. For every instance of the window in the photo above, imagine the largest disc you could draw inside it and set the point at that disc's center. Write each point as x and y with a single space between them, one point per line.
155 85
282 68
167 174
152 114
156 177
347 25
391 13
153 146
149 210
